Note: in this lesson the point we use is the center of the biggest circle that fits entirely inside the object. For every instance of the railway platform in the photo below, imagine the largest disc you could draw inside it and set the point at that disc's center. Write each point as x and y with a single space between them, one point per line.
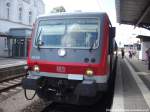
10 62
10 68
132 86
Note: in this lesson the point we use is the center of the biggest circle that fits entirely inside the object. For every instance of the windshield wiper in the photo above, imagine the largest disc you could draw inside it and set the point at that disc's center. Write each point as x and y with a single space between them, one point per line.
38 41
92 46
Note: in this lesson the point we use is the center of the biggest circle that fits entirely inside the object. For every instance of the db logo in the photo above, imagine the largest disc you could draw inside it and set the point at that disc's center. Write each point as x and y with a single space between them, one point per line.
60 69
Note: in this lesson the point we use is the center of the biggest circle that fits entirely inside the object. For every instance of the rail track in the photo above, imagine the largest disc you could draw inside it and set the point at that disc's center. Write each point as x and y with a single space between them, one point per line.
10 72
56 107
10 83
101 106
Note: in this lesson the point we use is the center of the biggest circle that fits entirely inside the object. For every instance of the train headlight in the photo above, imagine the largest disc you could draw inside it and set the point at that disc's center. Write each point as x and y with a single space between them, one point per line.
36 68
26 67
89 72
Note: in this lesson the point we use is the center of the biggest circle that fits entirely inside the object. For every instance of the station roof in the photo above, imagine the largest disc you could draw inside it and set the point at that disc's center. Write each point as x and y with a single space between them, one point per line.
144 38
133 12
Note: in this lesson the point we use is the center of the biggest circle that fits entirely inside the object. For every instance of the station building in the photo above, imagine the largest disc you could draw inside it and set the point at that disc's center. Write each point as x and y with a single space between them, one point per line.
145 44
16 20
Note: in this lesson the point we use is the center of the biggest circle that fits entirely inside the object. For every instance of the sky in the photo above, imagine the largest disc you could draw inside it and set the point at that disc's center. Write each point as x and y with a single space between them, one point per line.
83 5
124 33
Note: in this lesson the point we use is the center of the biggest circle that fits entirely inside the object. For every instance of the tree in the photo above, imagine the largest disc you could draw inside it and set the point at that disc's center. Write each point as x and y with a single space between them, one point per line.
58 9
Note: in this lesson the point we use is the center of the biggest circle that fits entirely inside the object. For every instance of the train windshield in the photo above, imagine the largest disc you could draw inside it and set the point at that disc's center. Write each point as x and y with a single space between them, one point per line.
68 33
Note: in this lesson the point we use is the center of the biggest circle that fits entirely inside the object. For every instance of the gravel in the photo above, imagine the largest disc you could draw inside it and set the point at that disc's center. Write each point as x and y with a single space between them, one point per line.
17 102
36 106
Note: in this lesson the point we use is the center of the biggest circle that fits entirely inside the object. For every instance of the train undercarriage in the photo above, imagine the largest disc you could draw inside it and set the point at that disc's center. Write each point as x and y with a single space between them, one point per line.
59 90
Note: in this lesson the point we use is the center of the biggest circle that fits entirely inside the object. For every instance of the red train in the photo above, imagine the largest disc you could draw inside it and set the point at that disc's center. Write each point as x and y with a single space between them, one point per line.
71 57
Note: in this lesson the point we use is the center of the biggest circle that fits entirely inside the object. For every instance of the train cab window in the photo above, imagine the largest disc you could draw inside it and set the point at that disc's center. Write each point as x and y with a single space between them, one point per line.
74 39
91 38
51 35
70 33
51 39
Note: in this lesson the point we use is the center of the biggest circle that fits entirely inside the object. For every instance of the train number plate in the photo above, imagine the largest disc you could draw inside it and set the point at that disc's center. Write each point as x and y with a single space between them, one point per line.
75 77
61 69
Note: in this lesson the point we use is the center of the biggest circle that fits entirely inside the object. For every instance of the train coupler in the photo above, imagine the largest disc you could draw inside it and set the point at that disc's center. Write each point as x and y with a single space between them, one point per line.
31 82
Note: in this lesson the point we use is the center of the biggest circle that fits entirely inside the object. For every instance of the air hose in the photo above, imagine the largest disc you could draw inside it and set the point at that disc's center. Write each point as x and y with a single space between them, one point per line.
25 91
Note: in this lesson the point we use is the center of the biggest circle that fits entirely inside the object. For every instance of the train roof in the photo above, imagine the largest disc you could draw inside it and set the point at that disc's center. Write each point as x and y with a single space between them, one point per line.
73 14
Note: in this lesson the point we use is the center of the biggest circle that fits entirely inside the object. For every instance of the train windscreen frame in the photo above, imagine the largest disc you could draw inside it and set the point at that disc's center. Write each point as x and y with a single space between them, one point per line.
79 33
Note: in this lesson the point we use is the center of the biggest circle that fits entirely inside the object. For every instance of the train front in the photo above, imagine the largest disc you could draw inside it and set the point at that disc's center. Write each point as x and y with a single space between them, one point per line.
68 58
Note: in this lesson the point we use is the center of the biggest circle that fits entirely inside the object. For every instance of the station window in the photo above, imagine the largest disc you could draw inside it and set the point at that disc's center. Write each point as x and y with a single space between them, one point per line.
8 10
20 14
30 17
27 1
5 41
35 3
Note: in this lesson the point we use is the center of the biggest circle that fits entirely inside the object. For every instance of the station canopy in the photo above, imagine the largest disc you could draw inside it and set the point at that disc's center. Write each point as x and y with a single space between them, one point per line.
133 12
20 32
3 34
144 38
